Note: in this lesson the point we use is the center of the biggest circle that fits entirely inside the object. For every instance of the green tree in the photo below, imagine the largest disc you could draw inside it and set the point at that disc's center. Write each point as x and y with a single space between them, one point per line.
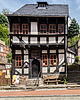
3 20
73 41
74 28
4 27
73 33
5 11
9 57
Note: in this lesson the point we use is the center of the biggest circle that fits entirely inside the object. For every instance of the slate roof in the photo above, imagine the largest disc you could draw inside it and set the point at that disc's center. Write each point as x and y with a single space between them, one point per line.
51 10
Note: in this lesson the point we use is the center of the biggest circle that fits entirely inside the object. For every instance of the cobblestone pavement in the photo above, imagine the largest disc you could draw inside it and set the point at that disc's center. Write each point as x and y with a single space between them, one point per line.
41 93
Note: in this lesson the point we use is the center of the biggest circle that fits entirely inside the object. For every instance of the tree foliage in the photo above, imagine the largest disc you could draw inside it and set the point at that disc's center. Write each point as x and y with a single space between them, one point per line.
4 29
73 33
74 28
73 41
3 20
9 57
5 11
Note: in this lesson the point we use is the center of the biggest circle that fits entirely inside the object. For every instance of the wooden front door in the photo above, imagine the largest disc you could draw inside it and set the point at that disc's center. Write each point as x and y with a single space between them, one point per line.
35 68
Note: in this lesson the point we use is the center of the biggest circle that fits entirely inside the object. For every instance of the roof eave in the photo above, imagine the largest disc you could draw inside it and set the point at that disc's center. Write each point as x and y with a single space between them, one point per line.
37 15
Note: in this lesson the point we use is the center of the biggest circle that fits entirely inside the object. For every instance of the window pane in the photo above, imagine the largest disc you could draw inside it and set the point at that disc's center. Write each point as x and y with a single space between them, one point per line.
19 58
54 56
16 58
54 31
19 63
44 31
16 63
43 28
23 31
53 59
15 28
52 28
44 60
52 62
61 28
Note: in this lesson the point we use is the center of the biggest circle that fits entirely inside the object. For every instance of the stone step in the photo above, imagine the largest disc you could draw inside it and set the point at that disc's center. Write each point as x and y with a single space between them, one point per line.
33 82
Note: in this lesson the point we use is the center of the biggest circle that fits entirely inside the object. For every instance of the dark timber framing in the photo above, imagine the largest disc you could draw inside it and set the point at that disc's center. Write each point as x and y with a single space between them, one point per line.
55 45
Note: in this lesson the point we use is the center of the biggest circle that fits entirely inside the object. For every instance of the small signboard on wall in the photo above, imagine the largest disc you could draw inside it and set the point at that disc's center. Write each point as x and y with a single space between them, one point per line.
0 73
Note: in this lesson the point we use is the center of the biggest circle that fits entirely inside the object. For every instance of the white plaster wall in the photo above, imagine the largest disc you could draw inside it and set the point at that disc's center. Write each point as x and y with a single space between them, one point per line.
44 69
25 39
18 52
33 40
52 40
26 70
19 70
26 58
73 61
15 40
52 69
60 39
34 28
44 51
52 51
43 40
62 69
26 51
61 58
61 51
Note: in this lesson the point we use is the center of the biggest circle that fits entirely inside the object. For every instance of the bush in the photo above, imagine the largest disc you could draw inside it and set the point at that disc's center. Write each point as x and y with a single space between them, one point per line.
76 59
64 80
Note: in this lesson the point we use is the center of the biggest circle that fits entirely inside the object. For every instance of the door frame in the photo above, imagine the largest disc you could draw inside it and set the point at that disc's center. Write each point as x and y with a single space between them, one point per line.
30 68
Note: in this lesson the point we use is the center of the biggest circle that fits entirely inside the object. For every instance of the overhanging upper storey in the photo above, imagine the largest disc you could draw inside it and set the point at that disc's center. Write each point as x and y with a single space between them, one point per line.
42 9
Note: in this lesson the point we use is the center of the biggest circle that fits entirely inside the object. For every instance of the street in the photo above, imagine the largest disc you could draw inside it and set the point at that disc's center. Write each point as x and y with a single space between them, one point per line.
42 94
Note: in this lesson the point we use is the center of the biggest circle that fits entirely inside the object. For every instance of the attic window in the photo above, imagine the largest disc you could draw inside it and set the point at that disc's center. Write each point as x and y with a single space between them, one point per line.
42 5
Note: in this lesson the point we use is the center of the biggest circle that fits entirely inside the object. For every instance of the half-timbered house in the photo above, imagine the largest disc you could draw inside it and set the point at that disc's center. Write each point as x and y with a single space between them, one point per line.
38 39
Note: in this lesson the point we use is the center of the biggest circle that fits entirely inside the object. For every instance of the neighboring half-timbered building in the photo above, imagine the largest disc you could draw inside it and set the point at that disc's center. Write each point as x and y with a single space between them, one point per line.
38 39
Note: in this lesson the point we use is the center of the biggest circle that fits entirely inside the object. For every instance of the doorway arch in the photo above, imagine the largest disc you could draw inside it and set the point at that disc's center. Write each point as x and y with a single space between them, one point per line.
35 68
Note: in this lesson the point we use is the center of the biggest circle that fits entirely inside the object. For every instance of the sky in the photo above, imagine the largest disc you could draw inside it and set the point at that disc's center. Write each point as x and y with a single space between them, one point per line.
13 5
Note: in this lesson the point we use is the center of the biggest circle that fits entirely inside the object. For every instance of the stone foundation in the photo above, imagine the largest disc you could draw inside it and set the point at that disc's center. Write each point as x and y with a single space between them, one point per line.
54 76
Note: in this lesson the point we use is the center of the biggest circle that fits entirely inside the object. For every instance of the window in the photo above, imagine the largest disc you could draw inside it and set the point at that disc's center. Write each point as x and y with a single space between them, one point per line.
18 61
43 29
61 28
42 5
53 59
25 28
16 29
44 60
52 28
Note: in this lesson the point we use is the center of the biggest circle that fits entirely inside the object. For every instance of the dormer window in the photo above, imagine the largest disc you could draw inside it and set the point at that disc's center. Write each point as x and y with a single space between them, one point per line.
42 5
